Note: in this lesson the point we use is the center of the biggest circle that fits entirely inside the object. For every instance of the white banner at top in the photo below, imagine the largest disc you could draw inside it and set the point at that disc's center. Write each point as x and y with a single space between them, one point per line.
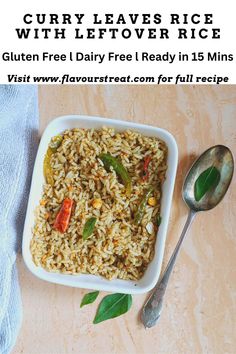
103 42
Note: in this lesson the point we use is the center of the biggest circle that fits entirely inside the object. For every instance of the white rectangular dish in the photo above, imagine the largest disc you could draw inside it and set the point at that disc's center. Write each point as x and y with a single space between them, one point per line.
148 281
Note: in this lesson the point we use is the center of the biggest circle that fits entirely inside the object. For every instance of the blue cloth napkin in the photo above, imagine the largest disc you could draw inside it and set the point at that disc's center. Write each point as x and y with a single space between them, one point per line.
18 145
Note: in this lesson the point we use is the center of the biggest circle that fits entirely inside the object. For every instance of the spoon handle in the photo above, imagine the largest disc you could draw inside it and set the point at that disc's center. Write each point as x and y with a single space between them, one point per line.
152 308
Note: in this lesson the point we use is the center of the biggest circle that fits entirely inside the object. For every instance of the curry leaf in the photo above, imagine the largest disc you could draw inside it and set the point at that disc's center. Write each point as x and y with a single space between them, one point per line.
159 218
113 306
89 298
55 142
207 180
142 205
111 161
89 227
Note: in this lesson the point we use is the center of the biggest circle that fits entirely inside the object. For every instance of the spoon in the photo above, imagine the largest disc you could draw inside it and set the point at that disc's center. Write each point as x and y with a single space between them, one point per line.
220 159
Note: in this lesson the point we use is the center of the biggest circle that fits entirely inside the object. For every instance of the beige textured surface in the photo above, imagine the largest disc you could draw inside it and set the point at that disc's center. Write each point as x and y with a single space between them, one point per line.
199 314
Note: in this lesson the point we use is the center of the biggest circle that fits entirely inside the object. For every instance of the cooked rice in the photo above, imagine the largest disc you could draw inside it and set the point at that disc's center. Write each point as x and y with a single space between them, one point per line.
118 248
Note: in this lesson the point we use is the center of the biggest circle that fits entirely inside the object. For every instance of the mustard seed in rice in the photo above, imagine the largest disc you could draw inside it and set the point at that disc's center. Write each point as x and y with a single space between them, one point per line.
118 248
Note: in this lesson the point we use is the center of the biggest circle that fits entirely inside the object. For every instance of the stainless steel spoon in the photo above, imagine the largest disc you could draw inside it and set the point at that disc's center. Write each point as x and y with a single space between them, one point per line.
220 157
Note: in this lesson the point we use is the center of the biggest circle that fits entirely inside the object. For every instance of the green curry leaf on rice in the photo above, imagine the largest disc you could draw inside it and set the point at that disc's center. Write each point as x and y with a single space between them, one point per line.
159 219
89 227
111 161
142 205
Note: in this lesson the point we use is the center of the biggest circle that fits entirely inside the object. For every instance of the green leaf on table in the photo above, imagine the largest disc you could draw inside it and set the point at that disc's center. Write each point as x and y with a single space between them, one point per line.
89 298
113 306
207 180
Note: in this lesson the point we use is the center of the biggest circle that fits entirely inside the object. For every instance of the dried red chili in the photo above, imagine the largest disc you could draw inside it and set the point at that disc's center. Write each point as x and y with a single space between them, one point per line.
63 217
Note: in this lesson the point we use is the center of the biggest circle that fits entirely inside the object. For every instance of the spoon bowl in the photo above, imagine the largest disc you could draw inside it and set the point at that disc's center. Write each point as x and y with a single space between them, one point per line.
221 158
204 187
